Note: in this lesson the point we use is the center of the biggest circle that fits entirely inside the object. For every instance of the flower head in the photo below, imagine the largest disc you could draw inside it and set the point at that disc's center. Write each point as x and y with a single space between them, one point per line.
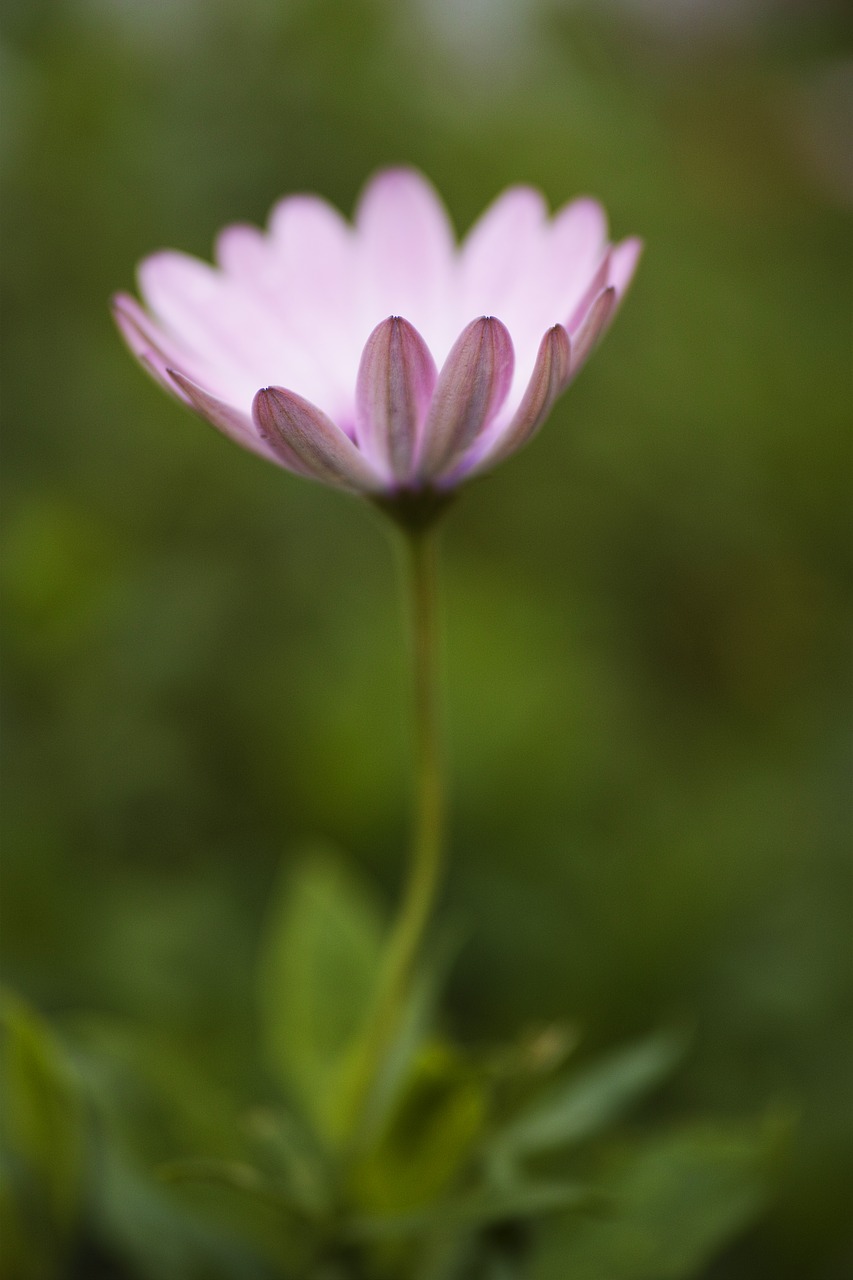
380 356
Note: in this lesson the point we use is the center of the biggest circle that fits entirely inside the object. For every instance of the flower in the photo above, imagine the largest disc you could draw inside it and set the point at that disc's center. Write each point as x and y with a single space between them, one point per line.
381 357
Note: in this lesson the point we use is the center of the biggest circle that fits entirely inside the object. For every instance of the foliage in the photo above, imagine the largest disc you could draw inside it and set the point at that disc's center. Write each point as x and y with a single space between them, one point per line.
42 1148
446 1180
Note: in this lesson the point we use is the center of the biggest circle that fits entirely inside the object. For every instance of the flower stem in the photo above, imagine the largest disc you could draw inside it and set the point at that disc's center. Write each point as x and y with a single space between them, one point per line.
427 840
425 863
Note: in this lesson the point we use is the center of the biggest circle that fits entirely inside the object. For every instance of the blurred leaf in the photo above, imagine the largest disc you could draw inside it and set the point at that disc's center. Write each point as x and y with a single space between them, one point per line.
154 1103
502 1269
400 1060
318 972
467 1256
446 1255
42 1144
431 1136
538 1052
26 1254
296 1157
480 1209
677 1202
162 1237
587 1101
234 1175
153 1092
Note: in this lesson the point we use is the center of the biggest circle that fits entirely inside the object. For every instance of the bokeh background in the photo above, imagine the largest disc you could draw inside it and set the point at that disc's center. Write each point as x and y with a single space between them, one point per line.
646 612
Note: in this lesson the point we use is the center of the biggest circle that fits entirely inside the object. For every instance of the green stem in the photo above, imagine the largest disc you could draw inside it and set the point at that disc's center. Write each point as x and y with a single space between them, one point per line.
426 856
420 572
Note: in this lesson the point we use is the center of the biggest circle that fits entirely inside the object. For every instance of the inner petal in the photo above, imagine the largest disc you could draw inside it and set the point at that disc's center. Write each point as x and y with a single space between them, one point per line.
405 247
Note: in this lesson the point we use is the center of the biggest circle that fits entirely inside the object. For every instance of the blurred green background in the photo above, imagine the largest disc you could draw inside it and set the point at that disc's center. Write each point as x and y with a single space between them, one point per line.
646 613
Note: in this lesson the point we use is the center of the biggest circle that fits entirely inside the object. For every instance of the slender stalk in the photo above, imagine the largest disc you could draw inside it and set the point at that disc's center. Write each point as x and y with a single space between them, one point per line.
425 862
427 836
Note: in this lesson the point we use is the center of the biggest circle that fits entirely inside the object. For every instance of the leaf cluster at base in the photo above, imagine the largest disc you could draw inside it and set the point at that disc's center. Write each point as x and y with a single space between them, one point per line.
458 1165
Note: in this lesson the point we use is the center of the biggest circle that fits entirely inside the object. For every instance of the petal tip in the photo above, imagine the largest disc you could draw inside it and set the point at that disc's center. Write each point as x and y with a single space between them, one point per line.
492 324
263 400
181 381
124 309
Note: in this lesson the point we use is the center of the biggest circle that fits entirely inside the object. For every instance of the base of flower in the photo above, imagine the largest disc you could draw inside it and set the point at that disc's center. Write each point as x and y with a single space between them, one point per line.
414 510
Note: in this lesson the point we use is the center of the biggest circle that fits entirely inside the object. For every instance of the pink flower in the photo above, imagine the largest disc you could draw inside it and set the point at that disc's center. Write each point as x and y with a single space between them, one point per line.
381 357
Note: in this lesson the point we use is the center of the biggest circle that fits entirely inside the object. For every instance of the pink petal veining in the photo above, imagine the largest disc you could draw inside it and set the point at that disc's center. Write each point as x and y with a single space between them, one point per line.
591 328
396 380
550 373
472 386
295 428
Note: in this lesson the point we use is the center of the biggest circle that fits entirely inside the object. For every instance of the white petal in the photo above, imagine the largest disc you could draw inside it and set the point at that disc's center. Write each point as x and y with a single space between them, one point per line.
405 247
231 326
623 264
577 245
501 252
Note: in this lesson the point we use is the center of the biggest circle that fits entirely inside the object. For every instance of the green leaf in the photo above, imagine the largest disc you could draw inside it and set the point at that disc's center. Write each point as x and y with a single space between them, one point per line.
479 1209
432 1135
676 1203
404 1057
586 1101
153 1105
319 969
149 1088
147 1224
43 1140
446 1255
300 1165
462 1257
234 1175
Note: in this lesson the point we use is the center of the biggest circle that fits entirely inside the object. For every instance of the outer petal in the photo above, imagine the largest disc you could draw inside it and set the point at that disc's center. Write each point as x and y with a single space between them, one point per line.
598 281
405 244
592 327
550 374
396 379
299 429
235 424
472 386
151 347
